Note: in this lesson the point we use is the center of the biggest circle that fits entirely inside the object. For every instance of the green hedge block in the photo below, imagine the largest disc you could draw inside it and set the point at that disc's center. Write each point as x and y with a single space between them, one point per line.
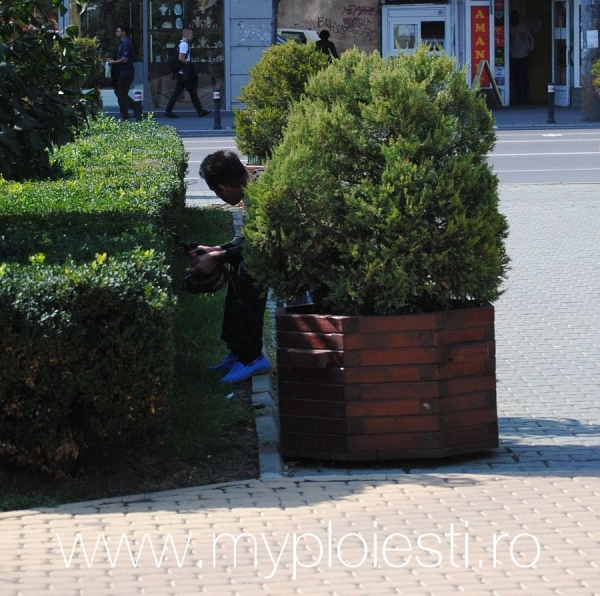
86 359
121 186
86 295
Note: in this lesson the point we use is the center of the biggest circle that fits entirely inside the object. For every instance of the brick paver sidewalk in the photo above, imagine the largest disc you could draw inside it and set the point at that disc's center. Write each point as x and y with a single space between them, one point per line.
415 534
522 519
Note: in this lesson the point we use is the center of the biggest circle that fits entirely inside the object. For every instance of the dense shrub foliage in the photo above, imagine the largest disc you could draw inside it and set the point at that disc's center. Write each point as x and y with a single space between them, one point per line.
596 76
120 186
86 299
86 357
379 197
277 81
42 77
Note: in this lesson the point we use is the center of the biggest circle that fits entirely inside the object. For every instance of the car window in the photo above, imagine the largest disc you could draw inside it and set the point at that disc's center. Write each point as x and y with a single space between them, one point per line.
294 35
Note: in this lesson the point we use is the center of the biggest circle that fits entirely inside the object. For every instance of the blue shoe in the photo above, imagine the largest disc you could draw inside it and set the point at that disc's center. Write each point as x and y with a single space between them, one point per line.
225 364
240 372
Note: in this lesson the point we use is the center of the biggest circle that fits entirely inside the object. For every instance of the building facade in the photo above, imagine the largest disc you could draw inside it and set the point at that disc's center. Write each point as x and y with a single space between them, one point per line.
230 36
565 34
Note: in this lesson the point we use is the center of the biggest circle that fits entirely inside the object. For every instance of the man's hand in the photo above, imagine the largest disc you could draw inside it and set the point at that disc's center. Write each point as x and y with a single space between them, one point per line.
198 250
207 261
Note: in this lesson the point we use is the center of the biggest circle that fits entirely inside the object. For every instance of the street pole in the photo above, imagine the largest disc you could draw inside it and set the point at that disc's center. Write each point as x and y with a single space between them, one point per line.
274 11
590 52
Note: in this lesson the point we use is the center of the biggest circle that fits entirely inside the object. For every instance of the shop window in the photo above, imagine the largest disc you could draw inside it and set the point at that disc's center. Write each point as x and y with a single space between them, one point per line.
166 18
433 32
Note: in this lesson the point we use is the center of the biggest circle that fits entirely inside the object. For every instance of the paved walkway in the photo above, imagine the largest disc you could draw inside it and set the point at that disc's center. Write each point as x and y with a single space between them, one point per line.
513 117
523 519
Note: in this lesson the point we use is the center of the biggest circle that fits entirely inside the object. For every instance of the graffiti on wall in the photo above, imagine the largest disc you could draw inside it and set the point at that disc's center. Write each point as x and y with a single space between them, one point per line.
349 24
358 21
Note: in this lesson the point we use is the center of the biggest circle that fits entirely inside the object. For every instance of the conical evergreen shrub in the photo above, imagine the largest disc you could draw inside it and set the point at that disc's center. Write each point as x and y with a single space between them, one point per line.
379 198
277 81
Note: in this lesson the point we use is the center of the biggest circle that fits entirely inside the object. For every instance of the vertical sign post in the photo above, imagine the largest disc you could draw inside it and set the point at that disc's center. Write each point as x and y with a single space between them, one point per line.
480 40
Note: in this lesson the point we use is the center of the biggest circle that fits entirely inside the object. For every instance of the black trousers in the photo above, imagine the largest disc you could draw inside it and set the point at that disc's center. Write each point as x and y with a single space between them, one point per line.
243 318
191 86
122 93
519 70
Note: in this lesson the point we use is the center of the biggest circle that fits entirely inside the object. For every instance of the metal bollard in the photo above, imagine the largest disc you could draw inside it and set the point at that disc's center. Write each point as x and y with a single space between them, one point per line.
217 110
551 104
138 110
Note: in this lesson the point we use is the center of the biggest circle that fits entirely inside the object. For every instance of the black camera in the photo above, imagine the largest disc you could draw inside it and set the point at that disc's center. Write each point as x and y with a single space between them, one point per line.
187 246
201 283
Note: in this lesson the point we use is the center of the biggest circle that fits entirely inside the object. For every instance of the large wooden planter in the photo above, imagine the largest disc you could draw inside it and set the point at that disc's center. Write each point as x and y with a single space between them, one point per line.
391 387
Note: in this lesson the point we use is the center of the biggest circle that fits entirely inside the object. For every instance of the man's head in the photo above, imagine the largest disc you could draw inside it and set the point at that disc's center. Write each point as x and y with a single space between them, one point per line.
515 17
225 175
324 35
187 34
122 31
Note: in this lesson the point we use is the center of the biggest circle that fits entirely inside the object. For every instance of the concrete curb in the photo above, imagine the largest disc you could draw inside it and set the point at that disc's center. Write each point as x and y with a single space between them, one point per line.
267 427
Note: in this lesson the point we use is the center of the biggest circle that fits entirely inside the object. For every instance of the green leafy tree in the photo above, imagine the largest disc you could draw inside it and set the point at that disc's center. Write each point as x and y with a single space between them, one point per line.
277 81
42 97
596 76
89 53
379 197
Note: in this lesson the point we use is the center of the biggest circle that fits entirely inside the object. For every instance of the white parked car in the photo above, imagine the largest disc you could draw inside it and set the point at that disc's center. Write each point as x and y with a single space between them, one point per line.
299 35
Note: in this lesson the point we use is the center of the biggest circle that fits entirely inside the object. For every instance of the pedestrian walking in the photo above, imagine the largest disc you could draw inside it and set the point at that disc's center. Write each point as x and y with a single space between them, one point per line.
326 46
125 74
187 78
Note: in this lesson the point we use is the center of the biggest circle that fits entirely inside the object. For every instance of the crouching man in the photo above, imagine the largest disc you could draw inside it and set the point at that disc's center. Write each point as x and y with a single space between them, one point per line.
245 303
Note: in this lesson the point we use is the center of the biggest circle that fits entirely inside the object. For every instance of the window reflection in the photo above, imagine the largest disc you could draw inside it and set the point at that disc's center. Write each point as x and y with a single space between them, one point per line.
405 36
166 18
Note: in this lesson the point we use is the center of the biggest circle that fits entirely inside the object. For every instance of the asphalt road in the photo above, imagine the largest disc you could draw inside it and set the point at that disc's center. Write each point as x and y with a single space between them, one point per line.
198 148
568 156
547 156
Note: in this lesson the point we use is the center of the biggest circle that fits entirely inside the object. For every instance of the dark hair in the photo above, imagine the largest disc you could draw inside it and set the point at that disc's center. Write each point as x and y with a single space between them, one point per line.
223 167
324 34
125 28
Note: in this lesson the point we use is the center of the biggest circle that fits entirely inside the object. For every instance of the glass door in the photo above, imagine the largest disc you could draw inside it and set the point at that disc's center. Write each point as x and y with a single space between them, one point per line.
100 20
562 51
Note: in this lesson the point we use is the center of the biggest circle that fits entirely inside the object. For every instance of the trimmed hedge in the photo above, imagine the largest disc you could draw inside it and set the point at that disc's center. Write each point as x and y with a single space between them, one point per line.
86 298
120 185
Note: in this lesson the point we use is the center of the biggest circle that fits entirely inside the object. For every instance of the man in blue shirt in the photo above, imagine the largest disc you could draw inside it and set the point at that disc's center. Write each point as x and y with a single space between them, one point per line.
125 73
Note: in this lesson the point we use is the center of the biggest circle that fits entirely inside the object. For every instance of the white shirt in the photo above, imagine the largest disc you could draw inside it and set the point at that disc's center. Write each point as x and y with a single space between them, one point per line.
521 41
184 48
